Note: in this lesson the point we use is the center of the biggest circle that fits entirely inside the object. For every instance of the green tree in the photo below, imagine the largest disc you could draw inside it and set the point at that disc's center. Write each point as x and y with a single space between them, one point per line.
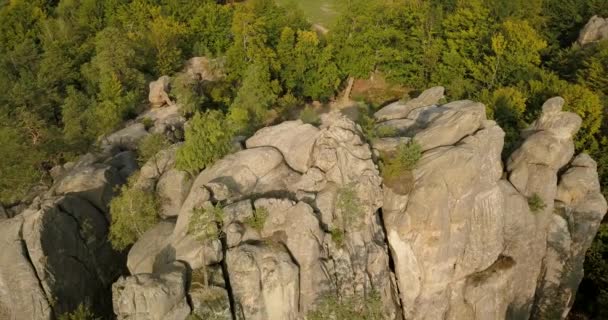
507 106
133 212
18 165
208 138
209 29
257 94
117 79
515 53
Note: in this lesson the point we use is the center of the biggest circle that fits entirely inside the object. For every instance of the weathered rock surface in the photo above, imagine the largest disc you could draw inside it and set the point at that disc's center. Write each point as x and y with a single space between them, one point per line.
126 138
94 183
55 254
294 139
595 30
159 92
400 110
21 296
265 282
159 296
205 69
301 213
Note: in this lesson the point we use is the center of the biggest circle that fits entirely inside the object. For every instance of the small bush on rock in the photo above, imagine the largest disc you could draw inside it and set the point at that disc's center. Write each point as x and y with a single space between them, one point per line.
133 212
310 116
258 219
205 223
208 138
397 168
83 312
349 205
149 146
348 308
536 203
337 235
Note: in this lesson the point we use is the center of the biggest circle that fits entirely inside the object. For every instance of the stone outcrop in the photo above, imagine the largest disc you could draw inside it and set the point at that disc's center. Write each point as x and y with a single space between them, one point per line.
54 255
299 214
158 296
205 69
465 243
159 92
595 30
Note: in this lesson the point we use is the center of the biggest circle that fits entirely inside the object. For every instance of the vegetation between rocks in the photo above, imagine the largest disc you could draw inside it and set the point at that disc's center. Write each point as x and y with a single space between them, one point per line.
536 203
257 220
205 223
149 146
208 138
348 308
397 167
133 212
83 312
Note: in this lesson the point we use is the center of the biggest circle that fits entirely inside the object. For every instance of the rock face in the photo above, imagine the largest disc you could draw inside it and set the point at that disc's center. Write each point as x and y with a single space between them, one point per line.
595 30
205 69
159 92
55 255
462 238
301 214
400 109
160 296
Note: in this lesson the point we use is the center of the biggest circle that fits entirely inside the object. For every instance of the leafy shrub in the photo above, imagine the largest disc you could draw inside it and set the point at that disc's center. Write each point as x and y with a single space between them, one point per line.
205 223
397 168
133 212
368 125
257 220
536 203
83 312
208 138
348 308
149 146
385 131
349 205
337 235
309 115
147 122
188 92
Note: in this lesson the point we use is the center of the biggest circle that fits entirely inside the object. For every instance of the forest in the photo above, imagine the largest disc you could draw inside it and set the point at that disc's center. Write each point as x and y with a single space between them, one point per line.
73 71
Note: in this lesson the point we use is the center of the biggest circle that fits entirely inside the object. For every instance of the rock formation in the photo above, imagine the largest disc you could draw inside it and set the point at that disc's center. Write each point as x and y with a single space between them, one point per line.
595 30
302 214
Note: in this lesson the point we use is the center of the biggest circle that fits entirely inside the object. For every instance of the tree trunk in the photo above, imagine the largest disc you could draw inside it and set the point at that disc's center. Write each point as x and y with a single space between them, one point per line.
349 88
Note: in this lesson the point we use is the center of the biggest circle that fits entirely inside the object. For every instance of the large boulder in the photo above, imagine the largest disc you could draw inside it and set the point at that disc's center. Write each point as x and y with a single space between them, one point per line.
458 120
205 69
164 120
400 109
152 250
159 92
294 139
157 296
595 30
21 295
296 226
66 241
95 183
449 226
264 281
172 189
126 138
580 208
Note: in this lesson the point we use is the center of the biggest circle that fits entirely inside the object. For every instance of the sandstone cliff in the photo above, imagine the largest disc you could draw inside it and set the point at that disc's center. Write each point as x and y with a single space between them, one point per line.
463 239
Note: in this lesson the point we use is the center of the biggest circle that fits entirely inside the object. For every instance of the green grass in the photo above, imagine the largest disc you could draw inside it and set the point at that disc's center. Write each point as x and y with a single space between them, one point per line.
323 12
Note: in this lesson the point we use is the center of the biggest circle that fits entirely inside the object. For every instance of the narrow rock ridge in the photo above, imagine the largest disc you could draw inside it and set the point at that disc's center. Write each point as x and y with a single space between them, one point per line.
306 216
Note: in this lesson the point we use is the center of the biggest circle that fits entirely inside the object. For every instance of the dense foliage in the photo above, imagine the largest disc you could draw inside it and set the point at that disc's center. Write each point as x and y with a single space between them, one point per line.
133 212
74 70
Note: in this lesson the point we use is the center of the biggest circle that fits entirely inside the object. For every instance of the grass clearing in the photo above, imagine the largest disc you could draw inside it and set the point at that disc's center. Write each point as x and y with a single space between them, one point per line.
323 12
